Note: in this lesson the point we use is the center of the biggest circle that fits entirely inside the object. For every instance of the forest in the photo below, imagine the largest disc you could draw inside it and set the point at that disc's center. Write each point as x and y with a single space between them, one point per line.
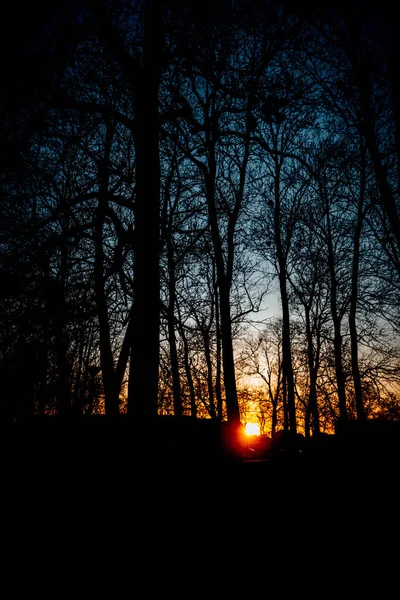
169 172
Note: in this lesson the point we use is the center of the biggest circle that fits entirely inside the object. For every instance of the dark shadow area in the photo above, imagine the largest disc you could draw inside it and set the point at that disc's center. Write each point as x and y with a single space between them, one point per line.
115 446
178 478
105 445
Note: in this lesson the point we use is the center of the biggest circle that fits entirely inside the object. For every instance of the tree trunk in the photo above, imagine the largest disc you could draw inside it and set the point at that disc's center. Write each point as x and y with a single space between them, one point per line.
313 373
144 364
210 387
189 377
286 343
232 404
354 300
111 395
337 341
176 384
218 371
63 390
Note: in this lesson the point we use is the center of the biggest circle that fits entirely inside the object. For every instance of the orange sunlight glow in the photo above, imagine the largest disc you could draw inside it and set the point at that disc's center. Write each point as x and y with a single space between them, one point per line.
252 429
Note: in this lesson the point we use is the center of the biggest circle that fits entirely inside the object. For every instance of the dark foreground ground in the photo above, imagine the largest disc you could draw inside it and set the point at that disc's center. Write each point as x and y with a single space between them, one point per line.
97 509
79 505
106 464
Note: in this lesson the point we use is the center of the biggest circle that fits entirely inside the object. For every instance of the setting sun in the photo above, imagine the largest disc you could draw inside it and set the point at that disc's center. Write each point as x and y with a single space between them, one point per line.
252 429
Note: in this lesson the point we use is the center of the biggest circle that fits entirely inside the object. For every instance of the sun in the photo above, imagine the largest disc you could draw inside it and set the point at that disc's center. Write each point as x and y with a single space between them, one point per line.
252 429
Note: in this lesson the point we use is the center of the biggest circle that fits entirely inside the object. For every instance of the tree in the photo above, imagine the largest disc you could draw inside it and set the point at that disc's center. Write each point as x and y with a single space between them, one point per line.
308 279
262 357
143 379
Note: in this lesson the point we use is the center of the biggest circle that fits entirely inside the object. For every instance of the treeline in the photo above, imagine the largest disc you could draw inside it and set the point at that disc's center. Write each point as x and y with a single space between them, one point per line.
164 168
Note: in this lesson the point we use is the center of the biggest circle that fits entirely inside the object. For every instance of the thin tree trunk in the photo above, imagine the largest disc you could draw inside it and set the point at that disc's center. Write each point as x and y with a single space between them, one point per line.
225 274
275 400
111 397
60 320
354 300
337 341
176 384
210 387
286 342
232 404
284 401
189 377
313 373
218 371
78 374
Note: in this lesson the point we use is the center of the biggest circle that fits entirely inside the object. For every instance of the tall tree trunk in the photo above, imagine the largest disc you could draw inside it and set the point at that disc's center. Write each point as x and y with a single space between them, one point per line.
284 401
228 361
60 322
76 400
286 342
312 408
144 364
189 377
337 341
111 396
232 404
210 386
224 272
188 370
354 298
218 371
275 400
176 384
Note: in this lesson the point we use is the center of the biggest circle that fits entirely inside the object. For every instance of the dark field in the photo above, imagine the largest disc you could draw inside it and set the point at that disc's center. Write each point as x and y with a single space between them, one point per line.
104 458
80 499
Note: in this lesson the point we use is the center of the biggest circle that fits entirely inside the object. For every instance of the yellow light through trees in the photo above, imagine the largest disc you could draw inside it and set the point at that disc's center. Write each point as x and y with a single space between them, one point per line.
252 429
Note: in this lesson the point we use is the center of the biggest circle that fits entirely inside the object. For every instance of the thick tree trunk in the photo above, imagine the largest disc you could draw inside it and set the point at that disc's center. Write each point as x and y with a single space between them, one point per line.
144 364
